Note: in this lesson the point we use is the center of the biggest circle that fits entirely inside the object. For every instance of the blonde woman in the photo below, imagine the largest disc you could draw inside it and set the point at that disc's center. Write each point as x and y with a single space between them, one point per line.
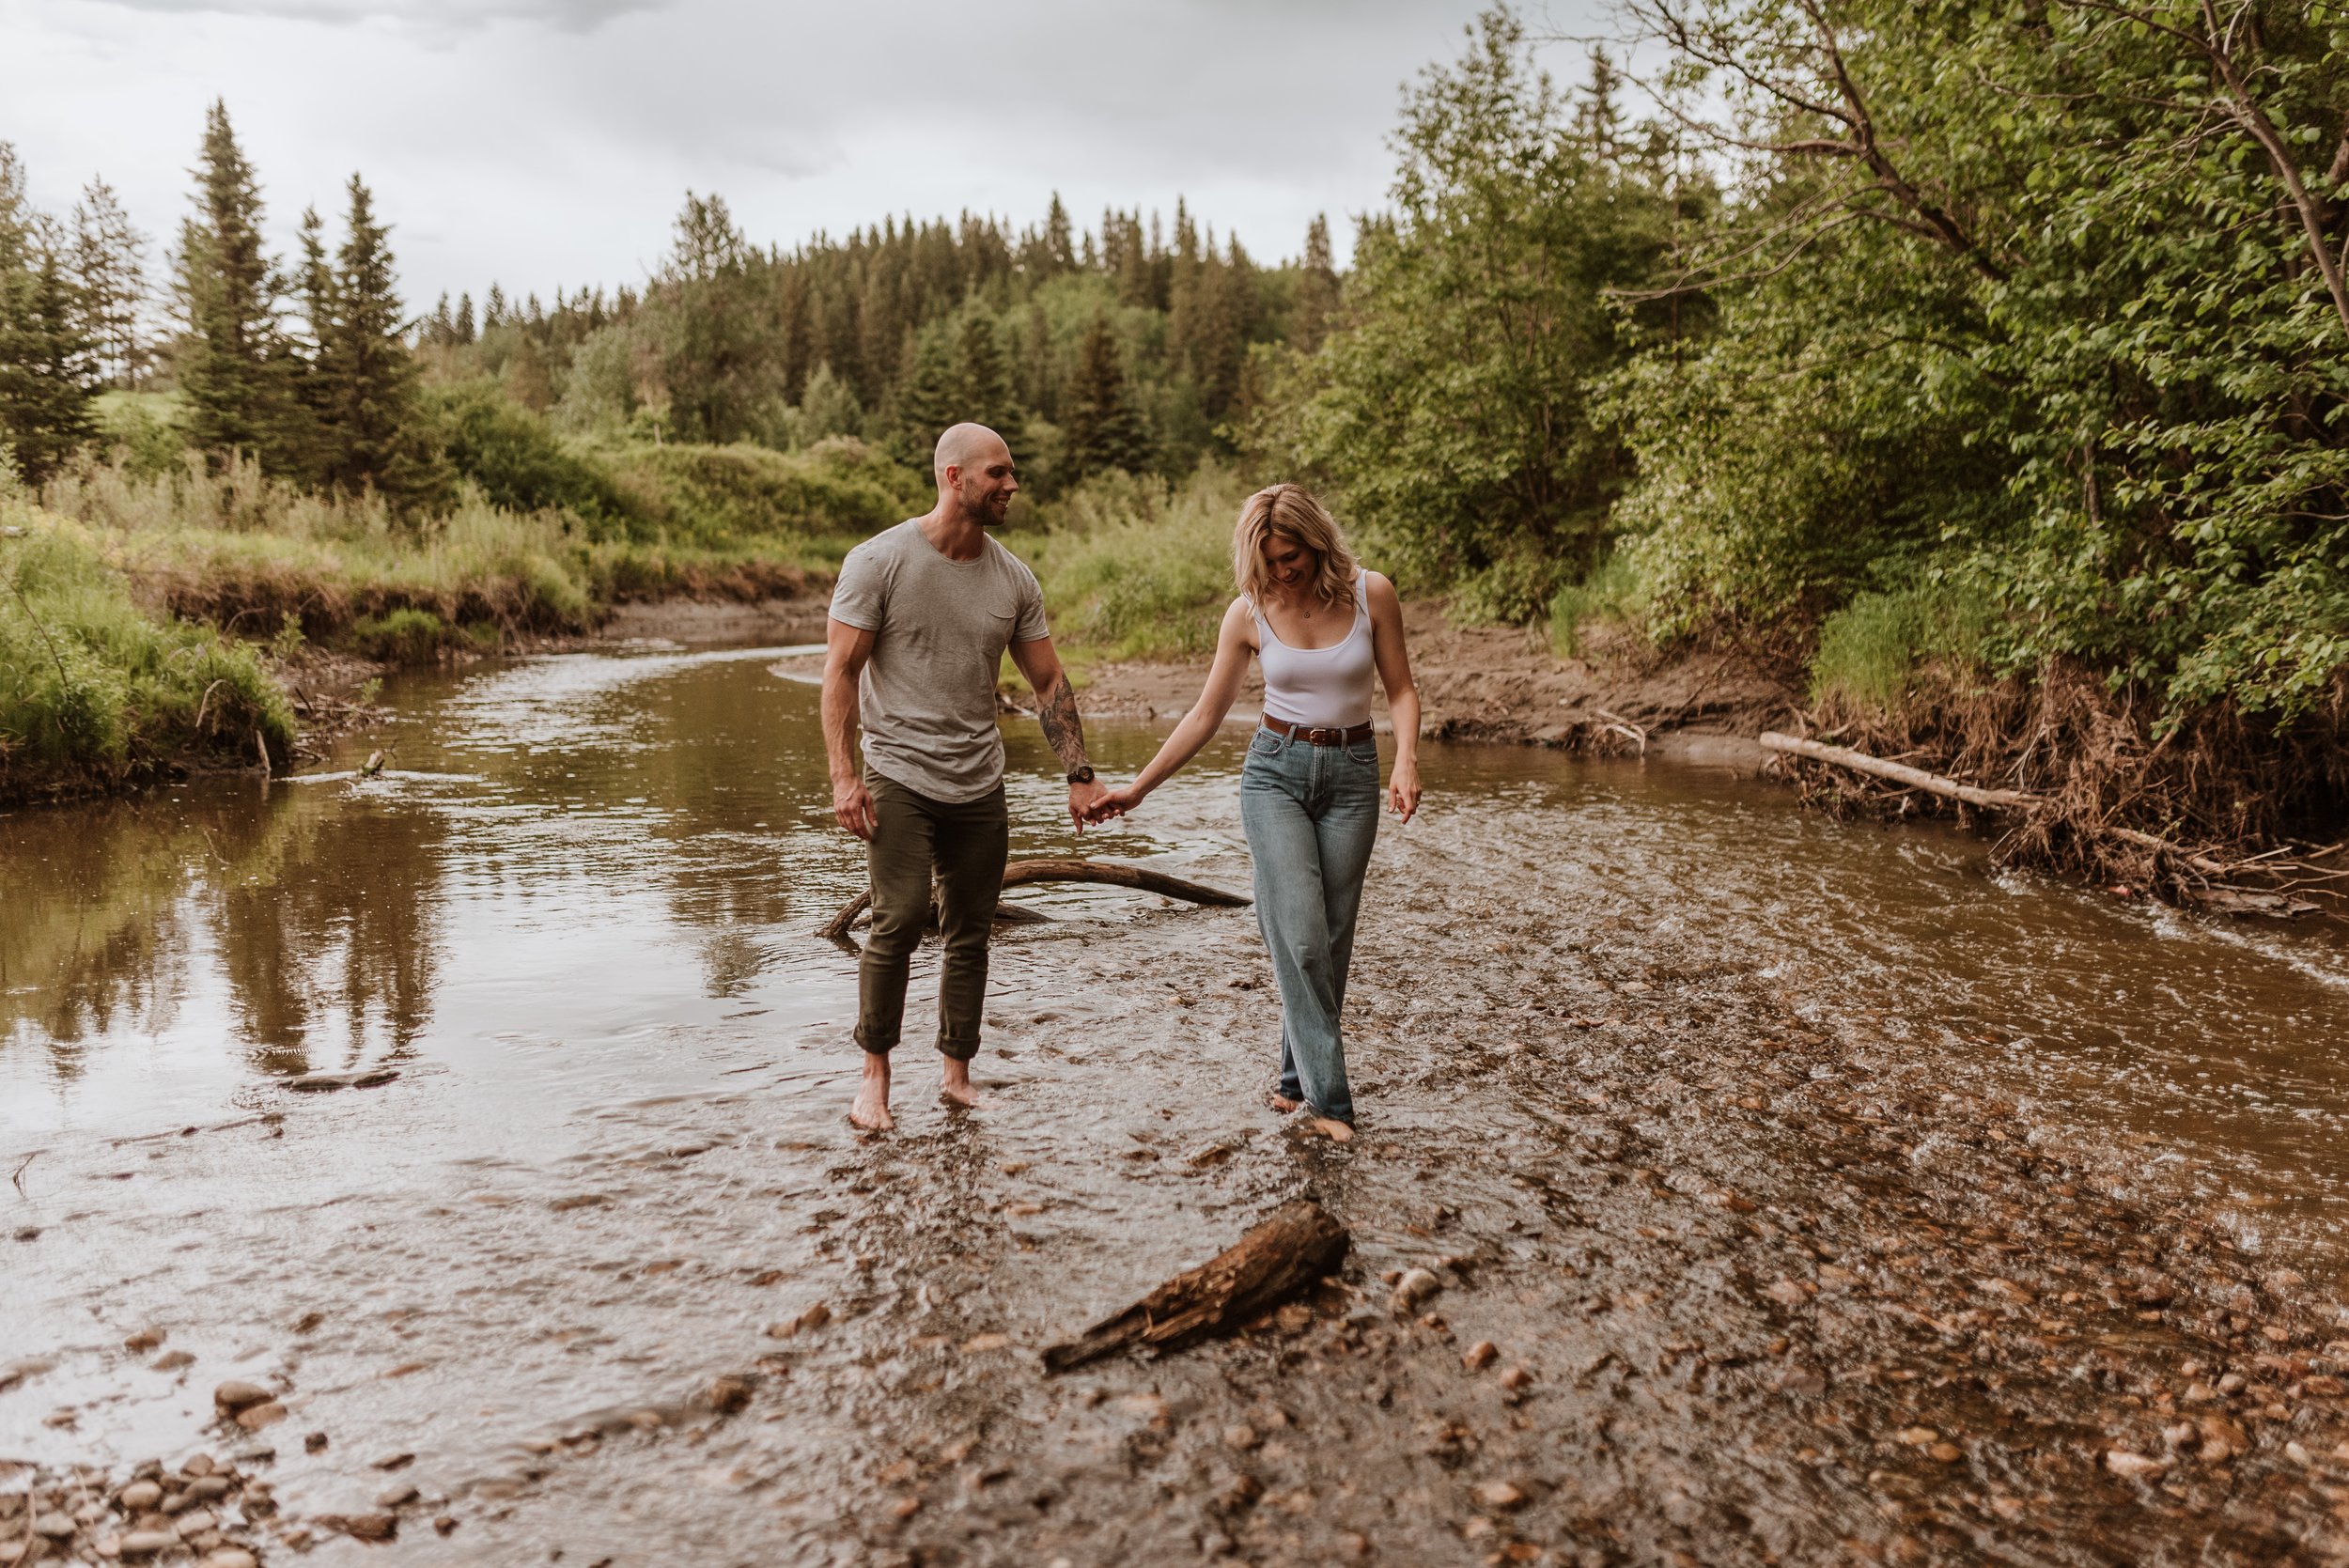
1323 629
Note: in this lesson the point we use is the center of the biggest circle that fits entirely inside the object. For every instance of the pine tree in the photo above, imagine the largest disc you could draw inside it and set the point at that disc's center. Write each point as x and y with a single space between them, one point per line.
109 267
930 399
368 375
465 332
1059 248
493 309
985 384
1317 289
234 367
1105 431
440 330
47 373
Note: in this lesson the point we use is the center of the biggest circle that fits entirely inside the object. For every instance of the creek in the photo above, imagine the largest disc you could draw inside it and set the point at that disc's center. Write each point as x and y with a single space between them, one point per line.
573 916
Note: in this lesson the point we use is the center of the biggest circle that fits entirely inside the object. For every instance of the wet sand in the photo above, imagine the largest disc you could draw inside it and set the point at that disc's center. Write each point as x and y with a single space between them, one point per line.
1821 1197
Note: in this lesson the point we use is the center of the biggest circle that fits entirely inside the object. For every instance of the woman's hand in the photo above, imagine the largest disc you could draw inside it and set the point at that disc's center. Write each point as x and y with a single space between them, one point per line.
1403 787
1114 803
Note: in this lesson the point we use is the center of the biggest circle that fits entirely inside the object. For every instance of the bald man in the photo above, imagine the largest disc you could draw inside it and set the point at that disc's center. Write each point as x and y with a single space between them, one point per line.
920 620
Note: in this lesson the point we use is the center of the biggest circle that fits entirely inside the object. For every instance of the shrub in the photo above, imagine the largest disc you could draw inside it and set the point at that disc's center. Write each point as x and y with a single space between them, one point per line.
403 636
1873 651
1138 567
522 464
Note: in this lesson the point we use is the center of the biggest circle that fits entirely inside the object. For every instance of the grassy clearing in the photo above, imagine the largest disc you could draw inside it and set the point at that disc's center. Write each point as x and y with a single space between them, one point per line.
95 692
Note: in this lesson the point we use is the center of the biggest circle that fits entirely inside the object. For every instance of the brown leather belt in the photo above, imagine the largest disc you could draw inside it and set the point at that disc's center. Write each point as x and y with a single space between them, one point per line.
1319 736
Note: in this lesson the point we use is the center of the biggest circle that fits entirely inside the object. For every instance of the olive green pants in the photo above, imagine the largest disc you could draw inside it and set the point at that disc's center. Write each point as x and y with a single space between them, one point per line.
963 845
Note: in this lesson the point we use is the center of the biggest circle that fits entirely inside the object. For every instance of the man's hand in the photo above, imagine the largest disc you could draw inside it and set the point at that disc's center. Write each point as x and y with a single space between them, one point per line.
1114 803
1085 803
852 803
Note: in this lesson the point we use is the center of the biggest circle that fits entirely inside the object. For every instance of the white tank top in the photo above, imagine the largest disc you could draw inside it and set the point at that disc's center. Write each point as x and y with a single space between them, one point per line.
1319 688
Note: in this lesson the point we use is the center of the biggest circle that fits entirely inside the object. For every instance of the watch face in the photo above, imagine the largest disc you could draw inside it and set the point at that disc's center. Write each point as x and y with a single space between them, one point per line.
1082 775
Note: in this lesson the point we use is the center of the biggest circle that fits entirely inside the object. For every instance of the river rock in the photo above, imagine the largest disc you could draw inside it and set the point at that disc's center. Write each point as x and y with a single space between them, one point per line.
144 1341
235 1395
260 1415
195 1522
171 1360
230 1557
147 1542
140 1496
1416 1286
58 1526
397 1496
1502 1496
2134 1466
1483 1353
208 1488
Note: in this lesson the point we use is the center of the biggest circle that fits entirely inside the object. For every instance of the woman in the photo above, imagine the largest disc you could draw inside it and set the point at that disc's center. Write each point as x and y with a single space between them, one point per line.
1321 626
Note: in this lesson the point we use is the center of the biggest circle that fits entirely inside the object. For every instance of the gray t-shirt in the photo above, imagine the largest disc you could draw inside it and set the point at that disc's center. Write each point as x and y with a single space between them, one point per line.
928 695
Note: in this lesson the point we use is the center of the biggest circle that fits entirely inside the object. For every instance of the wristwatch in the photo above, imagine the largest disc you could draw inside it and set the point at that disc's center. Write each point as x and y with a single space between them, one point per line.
1080 775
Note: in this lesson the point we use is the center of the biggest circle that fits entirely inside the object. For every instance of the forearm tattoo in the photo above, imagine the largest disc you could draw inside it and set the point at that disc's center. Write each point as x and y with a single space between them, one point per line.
1056 710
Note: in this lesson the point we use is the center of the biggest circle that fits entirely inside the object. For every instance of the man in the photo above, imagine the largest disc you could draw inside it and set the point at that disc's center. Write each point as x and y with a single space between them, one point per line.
919 619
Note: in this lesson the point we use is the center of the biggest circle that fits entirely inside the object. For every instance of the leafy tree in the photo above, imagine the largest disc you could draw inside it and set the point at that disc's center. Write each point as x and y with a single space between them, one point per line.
1453 411
1104 430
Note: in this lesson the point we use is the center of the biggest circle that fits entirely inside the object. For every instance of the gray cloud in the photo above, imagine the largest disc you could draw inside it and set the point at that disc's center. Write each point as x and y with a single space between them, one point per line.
546 142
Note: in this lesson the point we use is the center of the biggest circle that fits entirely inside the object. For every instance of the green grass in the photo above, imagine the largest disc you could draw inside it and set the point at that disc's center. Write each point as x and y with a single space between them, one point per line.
1614 594
1874 651
95 692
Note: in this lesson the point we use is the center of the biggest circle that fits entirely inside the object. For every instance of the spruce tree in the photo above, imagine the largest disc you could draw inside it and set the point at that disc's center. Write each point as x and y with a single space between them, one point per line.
494 309
1317 289
368 375
931 398
985 383
234 366
464 317
47 374
109 267
1104 429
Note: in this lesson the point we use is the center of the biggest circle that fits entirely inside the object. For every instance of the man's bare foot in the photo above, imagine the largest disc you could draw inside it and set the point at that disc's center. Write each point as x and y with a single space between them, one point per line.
1281 1102
1329 1128
871 1110
958 1090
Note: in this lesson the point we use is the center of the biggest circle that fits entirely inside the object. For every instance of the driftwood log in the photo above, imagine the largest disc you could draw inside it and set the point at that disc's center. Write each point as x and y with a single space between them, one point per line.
1899 772
1286 1253
1020 873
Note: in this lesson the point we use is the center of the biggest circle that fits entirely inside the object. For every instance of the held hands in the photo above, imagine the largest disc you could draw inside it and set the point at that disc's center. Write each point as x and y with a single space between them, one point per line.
1403 789
1114 803
852 804
1084 804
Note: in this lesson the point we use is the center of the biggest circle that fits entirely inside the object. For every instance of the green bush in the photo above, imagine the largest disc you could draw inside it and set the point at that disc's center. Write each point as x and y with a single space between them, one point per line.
522 464
94 690
1138 567
403 636
1614 592
142 431
712 495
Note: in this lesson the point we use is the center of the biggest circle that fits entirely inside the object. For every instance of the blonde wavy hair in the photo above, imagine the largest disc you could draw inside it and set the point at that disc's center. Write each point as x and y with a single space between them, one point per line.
1290 512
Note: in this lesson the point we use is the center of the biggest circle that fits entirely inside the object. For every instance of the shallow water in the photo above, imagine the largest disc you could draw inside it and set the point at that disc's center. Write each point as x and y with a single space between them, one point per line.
574 914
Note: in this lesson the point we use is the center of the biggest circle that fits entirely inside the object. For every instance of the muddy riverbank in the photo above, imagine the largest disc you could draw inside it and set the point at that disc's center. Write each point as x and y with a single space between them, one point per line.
1822 1195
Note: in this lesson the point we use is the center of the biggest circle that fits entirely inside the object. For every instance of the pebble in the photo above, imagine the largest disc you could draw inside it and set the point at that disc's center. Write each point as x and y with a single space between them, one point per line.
396 1496
141 1496
259 1416
144 1341
58 1526
2133 1467
230 1557
1241 1437
171 1360
1516 1378
236 1395
147 1542
1501 1495
206 1488
1416 1286
1483 1353
195 1522
725 1395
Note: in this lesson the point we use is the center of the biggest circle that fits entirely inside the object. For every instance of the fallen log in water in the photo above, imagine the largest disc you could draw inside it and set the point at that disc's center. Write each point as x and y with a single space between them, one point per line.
1899 772
1020 873
1294 1247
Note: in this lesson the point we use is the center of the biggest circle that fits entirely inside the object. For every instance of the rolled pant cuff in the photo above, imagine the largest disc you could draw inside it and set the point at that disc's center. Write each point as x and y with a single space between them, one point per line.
870 1048
961 1050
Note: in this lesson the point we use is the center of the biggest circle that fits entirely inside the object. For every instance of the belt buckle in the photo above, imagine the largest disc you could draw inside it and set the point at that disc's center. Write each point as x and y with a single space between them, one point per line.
1322 736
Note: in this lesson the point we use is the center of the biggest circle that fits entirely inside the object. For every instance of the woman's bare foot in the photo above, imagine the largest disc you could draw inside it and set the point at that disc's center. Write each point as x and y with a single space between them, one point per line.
1329 1128
958 1090
871 1110
1281 1102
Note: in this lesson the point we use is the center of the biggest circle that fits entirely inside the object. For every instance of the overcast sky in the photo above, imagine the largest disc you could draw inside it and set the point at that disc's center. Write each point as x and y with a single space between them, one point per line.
550 142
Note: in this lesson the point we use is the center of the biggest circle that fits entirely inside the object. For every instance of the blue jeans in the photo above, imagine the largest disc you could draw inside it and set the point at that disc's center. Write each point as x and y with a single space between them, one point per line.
1311 814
